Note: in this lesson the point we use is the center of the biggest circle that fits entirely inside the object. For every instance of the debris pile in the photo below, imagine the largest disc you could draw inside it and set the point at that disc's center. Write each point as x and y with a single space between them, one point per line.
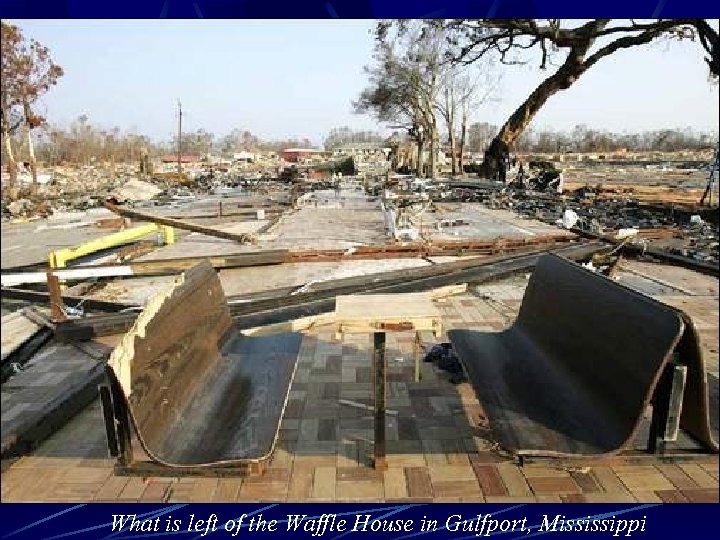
689 231
134 190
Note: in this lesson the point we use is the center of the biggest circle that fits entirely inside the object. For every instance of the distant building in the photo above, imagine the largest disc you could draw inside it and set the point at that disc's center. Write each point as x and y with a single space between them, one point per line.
298 155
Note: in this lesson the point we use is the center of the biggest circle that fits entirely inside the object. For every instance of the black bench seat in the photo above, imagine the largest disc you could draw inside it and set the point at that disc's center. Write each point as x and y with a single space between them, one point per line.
197 392
574 374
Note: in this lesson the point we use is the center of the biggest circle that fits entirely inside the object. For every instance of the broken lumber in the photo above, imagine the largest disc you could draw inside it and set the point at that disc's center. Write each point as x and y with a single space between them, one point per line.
34 405
686 262
17 328
294 325
147 268
283 308
325 319
493 246
401 279
260 258
43 297
178 224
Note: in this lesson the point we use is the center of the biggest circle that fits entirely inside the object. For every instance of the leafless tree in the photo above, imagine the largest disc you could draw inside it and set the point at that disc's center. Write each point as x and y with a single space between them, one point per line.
510 40
405 84
464 90
27 73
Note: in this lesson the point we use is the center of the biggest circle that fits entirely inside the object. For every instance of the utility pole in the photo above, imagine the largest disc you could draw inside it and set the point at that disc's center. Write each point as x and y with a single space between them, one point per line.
179 149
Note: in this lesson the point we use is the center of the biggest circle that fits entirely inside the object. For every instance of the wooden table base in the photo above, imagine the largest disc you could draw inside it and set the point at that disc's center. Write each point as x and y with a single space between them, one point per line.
379 371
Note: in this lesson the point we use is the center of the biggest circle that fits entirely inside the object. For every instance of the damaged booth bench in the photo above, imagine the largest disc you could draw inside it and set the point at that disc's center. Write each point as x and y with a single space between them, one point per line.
202 398
576 372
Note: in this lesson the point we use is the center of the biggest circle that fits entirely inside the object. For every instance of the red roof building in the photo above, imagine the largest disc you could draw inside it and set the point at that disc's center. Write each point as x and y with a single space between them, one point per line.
296 155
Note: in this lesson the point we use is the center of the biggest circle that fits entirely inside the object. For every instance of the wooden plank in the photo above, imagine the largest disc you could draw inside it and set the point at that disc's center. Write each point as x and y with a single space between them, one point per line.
385 307
417 279
37 316
448 290
295 325
396 324
17 329
146 268
59 382
57 309
178 224
284 307
23 354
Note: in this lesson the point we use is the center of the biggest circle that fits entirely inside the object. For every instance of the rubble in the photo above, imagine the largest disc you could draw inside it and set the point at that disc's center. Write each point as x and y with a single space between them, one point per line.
695 237
135 190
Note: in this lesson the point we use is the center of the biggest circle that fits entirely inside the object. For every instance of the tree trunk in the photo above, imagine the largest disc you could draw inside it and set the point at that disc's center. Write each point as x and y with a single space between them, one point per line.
33 161
420 149
461 149
433 147
562 79
453 163
12 164
433 157
449 114
31 148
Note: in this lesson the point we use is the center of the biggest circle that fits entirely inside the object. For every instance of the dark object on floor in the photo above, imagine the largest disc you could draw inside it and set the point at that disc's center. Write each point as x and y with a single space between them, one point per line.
444 356
436 352
575 372
198 394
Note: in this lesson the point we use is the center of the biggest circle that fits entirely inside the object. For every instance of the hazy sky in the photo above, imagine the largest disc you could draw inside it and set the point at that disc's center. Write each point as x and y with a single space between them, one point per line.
282 79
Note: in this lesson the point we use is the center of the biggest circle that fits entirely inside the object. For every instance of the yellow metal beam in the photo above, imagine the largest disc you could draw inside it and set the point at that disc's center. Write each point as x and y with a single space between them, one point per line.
59 258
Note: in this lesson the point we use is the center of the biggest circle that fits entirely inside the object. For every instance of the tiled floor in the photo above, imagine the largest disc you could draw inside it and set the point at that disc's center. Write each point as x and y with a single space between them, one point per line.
439 448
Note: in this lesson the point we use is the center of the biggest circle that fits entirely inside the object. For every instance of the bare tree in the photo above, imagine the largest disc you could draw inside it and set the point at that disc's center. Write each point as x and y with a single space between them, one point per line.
405 84
465 90
30 72
585 45
448 106
10 117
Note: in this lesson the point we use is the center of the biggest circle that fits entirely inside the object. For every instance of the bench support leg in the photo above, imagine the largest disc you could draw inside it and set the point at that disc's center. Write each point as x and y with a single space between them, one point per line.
124 435
417 350
109 416
667 406
379 369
